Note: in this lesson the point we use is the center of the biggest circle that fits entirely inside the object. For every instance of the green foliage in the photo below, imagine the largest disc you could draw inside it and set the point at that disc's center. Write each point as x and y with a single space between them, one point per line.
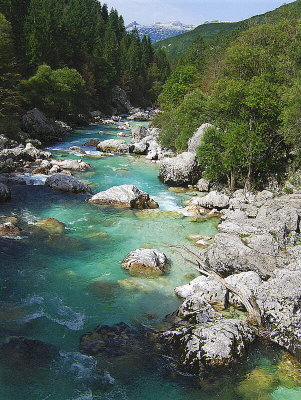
10 99
291 119
58 93
182 122
181 81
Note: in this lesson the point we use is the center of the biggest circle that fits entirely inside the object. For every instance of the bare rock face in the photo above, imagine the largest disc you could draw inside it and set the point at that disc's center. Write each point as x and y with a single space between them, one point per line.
66 183
38 126
120 100
145 262
124 195
280 302
196 140
5 193
113 146
181 170
139 132
206 339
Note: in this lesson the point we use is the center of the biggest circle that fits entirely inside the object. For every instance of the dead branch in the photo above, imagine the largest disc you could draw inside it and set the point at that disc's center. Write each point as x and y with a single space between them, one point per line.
248 299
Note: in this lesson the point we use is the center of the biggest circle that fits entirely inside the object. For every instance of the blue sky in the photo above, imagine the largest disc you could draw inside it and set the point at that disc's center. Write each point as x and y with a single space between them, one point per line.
191 11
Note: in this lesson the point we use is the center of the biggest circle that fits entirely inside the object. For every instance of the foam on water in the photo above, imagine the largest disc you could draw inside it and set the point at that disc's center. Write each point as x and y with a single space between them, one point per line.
34 180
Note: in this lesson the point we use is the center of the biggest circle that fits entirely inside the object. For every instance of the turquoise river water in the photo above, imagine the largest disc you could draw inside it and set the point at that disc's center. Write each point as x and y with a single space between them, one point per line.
55 290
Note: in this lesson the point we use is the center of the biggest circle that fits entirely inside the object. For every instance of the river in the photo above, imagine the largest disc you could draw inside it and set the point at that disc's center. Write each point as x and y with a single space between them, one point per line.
55 290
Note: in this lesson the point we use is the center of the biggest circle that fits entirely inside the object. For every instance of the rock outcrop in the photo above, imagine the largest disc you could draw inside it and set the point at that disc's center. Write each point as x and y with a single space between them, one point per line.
145 262
120 101
196 140
38 126
181 170
66 183
125 195
205 339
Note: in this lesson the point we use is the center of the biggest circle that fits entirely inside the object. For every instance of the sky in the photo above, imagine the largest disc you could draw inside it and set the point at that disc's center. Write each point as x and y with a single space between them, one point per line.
193 12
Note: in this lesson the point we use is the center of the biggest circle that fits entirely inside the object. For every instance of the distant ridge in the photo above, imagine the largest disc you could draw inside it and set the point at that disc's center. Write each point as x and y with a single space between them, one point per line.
175 47
160 30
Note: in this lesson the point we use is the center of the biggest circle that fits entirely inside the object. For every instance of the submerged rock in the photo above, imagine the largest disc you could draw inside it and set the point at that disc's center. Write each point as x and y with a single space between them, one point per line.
145 262
66 183
114 341
51 226
5 193
77 149
24 353
9 229
125 195
181 170
92 142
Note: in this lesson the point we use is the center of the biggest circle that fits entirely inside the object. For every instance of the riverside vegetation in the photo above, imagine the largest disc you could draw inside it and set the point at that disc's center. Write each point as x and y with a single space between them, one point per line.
89 312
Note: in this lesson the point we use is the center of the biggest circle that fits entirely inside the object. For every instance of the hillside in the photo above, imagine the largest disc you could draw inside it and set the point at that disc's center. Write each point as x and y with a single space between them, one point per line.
176 46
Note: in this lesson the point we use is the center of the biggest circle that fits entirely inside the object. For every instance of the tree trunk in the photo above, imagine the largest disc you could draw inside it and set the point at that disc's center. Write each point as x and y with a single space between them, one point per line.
248 181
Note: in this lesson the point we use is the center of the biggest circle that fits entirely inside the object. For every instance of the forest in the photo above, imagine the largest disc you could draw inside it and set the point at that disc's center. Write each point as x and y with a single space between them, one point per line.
64 57
248 86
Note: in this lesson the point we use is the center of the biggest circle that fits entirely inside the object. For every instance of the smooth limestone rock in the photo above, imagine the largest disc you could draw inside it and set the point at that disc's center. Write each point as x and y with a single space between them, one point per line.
5 193
181 170
113 146
124 195
212 200
73 165
196 140
51 226
66 183
205 288
250 282
145 262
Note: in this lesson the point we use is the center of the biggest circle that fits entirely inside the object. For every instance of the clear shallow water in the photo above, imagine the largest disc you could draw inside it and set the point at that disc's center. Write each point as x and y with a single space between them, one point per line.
55 290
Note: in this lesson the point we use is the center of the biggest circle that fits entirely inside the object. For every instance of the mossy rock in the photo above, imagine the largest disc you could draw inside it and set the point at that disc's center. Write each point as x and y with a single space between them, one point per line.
258 384
51 226
289 371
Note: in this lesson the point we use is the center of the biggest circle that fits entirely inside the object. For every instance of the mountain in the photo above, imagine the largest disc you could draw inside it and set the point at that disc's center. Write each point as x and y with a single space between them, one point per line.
159 31
176 47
